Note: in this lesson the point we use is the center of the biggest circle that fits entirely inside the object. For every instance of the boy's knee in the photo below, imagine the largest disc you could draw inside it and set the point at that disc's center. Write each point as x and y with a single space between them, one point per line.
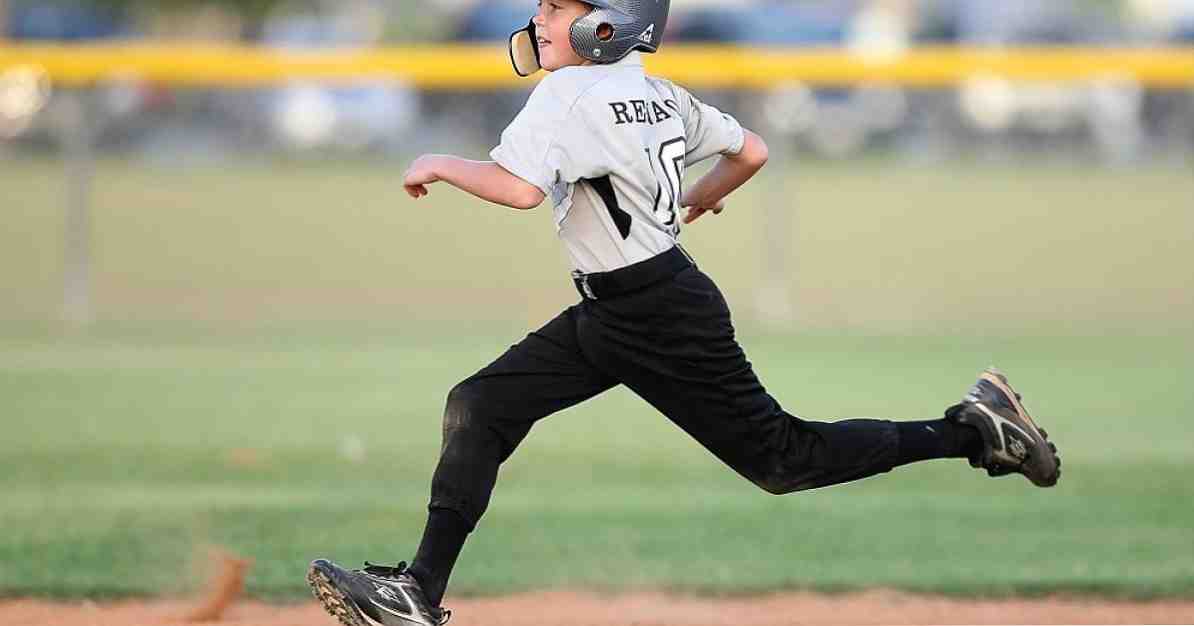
476 417
780 480
775 485
462 408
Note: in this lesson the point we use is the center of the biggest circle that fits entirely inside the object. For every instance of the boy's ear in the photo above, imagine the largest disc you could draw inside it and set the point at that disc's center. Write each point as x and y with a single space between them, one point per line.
524 51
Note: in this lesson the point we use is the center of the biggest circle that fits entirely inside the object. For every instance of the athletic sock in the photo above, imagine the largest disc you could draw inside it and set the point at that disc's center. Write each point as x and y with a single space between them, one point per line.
442 541
936 439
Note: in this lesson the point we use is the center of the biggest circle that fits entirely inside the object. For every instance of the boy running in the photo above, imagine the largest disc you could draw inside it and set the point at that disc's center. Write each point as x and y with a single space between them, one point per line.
609 146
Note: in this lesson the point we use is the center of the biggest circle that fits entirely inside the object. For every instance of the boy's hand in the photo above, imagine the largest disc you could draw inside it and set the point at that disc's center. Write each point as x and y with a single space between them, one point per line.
696 211
420 174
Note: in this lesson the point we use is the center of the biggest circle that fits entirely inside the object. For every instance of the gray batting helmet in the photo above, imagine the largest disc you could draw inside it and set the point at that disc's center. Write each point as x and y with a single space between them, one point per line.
636 24
632 25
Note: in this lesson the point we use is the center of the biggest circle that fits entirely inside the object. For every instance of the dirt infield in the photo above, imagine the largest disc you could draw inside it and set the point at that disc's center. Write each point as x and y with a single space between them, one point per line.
642 609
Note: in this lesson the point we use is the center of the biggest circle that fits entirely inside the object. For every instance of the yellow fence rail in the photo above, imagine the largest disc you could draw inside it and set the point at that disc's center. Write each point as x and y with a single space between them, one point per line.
463 67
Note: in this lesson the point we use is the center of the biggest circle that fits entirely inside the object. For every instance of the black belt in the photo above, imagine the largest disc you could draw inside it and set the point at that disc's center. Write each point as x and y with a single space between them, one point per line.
601 285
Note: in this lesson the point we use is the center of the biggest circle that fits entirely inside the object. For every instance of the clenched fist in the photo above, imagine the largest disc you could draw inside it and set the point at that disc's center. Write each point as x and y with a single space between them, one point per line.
422 172
695 211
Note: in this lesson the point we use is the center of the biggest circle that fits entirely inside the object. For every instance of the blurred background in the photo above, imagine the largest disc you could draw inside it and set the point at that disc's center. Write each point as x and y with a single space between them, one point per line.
67 116
223 322
1115 117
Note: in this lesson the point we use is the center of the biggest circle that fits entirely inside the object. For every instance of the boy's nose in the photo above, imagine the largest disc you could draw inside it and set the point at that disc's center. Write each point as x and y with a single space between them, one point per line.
539 20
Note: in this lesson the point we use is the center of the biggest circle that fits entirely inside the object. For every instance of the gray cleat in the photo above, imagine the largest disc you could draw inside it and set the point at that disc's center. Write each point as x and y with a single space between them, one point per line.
376 595
1012 442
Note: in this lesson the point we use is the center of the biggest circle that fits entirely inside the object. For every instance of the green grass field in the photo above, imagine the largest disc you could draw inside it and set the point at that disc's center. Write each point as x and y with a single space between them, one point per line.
276 341
870 245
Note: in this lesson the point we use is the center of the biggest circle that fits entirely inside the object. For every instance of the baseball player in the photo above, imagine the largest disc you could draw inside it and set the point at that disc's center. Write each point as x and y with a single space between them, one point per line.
609 146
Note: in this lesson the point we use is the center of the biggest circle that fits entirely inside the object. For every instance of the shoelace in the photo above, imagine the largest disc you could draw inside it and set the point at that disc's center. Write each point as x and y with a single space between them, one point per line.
392 572
385 571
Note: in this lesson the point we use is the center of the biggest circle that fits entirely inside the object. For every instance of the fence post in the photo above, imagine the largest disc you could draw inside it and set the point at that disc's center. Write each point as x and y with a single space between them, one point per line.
79 157
777 274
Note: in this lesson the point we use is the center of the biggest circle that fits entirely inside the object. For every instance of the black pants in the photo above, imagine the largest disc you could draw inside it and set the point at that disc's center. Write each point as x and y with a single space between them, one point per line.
673 345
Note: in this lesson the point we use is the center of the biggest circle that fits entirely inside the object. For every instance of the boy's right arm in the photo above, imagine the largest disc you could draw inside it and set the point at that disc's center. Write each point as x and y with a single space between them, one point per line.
485 179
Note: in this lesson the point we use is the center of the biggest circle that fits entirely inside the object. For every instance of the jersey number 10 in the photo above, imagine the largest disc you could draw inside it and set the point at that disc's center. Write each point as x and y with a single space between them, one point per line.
671 162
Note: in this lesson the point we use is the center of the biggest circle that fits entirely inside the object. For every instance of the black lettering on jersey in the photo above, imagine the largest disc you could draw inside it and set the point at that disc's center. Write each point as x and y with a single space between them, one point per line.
605 189
671 104
660 112
621 113
640 111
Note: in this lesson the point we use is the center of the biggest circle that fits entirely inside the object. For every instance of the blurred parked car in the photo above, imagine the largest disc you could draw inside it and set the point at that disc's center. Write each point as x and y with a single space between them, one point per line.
833 121
493 21
484 113
1105 112
306 115
64 21
27 101
1168 114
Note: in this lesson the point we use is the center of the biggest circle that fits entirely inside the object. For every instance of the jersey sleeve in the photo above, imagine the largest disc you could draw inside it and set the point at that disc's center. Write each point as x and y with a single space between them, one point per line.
550 142
708 131
529 145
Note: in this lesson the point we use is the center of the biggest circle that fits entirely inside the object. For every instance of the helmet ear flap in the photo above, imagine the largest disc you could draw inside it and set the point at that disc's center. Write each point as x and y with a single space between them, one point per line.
524 51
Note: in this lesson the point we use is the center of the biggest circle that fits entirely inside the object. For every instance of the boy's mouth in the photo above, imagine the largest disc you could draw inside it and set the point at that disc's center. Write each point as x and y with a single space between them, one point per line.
543 42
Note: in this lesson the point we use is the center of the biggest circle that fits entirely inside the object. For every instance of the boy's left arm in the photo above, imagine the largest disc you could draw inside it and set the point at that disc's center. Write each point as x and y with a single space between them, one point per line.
730 173
485 179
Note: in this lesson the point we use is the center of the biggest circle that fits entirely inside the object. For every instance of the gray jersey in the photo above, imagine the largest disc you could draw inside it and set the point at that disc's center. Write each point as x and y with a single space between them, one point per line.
609 145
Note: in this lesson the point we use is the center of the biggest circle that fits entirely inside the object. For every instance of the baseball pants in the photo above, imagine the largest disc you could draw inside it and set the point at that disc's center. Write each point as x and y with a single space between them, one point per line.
671 343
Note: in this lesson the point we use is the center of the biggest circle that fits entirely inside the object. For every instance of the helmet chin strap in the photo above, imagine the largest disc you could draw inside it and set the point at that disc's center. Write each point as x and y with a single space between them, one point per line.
524 51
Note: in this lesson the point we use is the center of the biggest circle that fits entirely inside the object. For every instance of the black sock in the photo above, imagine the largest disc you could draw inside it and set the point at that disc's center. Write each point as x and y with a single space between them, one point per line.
442 541
936 439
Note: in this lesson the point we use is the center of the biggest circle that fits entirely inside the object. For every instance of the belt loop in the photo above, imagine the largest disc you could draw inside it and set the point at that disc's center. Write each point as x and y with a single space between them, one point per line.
582 283
632 277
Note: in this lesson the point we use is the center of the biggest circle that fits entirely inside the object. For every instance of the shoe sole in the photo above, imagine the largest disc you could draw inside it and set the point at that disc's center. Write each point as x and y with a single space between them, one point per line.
1000 382
333 600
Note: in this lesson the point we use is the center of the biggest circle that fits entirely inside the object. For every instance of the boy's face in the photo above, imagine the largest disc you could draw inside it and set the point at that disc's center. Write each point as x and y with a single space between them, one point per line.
552 25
